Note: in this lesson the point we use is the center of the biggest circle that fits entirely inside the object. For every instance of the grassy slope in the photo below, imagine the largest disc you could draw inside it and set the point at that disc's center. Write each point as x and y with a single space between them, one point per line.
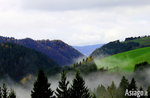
126 60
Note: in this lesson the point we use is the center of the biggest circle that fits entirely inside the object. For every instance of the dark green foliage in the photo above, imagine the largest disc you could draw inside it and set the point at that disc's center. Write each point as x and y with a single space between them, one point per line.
114 48
112 90
18 61
123 84
141 66
41 87
132 38
100 91
132 85
113 86
4 91
62 91
12 94
78 88
86 66
57 50
93 96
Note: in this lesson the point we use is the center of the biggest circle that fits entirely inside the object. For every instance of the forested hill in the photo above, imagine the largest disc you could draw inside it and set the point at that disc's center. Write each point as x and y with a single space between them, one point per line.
17 61
57 50
115 47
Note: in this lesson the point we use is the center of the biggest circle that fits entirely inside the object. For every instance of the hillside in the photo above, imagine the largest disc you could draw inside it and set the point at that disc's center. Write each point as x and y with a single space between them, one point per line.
17 61
57 50
87 50
125 61
115 47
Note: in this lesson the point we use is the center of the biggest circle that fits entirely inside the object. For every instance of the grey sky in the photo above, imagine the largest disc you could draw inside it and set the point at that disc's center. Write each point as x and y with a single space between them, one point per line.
77 22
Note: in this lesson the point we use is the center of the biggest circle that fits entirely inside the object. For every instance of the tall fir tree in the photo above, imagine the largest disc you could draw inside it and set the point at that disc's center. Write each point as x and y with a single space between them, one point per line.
4 91
100 91
12 94
124 84
78 88
132 85
42 87
62 91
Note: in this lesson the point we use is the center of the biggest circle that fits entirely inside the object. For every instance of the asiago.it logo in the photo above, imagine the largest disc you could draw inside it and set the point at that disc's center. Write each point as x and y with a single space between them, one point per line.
136 93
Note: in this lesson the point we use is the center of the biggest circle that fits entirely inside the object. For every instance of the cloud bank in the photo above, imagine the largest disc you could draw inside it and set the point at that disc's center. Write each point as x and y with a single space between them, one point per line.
75 22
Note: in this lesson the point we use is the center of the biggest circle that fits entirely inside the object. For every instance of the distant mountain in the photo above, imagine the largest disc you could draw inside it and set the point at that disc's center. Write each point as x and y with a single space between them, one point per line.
87 50
57 50
17 61
115 47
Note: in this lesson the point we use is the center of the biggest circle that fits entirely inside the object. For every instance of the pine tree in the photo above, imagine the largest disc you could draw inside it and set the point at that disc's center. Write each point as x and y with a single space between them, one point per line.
112 89
4 91
113 86
78 88
132 85
122 87
101 91
123 84
12 94
42 87
62 90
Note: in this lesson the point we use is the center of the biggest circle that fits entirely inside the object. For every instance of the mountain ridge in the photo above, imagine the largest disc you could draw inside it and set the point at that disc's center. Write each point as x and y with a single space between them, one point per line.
57 50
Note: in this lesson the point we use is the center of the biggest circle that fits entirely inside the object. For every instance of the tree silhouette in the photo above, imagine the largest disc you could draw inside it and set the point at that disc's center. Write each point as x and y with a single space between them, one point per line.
78 88
123 84
12 94
122 87
62 90
4 91
132 85
42 87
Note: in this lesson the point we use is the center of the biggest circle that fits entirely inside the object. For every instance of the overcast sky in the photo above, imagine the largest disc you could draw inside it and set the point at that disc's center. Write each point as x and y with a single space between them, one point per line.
76 22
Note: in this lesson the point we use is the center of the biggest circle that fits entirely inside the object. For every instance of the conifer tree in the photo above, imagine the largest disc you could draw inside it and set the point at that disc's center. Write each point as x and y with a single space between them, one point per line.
132 85
78 88
12 94
113 86
42 87
123 84
62 90
122 87
4 91
101 91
